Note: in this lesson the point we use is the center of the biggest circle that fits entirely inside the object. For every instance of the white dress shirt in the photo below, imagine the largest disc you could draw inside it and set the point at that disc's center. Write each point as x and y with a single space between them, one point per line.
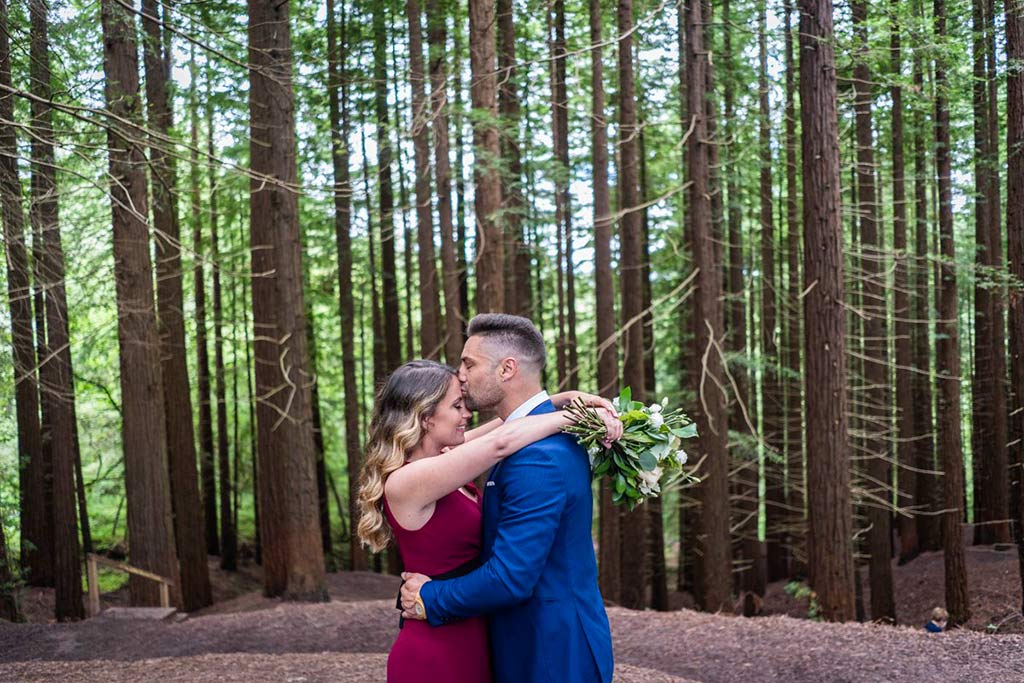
527 407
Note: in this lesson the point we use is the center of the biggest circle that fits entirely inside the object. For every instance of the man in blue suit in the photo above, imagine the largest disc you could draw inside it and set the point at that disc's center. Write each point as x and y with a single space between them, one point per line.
538 578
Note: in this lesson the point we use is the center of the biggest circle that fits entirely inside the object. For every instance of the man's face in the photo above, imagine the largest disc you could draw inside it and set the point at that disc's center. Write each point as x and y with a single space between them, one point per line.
479 374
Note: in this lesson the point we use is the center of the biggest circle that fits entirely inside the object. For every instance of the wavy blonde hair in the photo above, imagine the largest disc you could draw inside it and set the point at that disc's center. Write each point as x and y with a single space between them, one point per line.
410 396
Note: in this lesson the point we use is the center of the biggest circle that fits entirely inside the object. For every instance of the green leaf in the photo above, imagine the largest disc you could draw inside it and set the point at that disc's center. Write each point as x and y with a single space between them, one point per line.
647 461
687 432
620 484
625 398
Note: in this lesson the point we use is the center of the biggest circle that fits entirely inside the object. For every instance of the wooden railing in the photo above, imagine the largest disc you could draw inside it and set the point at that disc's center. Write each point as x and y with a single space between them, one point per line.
92 560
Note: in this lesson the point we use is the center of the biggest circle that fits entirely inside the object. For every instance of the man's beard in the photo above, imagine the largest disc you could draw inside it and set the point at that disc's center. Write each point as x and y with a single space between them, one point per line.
481 402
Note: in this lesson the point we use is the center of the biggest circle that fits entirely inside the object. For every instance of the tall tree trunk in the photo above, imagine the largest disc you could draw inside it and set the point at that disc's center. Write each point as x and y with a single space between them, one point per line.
490 284
989 435
795 486
293 562
711 417
924 445
460 181
147 482
753 577
518 293
208 485
228 533
830 560
771 391
607 350
558 109
948 353
55 374
633 560
181 449
403 199
389 281
437 37
32 485
883 606
1001 507
340 132
429 286
905 413
1015 231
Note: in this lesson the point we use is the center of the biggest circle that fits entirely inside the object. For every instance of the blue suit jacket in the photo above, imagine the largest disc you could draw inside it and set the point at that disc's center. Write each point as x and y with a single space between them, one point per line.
538 581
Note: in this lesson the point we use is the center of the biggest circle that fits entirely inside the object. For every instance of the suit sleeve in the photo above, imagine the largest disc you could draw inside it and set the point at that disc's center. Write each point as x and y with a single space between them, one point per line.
534 497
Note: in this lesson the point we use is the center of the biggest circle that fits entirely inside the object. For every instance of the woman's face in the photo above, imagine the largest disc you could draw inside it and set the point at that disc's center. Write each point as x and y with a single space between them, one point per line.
447 426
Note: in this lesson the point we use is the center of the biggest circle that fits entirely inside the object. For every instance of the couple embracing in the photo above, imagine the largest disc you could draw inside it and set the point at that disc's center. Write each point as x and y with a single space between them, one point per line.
501 584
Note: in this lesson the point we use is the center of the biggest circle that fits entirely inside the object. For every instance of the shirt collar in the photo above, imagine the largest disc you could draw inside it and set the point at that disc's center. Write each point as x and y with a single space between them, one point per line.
528 407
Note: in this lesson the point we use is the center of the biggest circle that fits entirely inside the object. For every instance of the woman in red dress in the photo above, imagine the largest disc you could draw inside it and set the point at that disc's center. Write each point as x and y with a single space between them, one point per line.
415 490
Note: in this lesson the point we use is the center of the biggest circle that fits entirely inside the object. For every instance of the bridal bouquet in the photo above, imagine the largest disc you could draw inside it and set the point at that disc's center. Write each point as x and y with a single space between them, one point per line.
649 451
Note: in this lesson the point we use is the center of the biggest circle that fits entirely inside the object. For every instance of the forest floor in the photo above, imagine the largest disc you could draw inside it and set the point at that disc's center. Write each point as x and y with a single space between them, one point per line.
246 637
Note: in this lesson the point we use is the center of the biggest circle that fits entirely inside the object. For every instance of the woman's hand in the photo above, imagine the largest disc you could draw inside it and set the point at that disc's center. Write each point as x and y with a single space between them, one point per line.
612 424
561 400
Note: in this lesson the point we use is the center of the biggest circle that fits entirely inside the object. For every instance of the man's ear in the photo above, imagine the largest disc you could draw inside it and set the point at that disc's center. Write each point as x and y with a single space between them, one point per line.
509 369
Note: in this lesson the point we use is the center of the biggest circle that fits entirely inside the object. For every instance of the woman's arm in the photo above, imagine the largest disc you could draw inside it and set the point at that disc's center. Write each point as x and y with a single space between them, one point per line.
564 398
414 488
485 428
420 484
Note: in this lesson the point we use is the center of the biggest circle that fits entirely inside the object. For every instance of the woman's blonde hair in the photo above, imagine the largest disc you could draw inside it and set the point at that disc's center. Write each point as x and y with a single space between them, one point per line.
409 397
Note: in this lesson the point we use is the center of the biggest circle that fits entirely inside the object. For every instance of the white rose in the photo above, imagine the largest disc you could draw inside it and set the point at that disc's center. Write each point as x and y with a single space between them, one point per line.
681 457
615 403
655 408
657 420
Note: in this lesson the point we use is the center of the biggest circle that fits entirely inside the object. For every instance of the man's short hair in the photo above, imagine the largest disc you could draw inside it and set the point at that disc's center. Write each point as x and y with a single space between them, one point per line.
516 336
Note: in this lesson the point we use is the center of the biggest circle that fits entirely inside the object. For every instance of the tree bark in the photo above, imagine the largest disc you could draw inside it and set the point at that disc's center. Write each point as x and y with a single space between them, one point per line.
883 606
1015 230
208 482
293 561
752 551
437 37
610 540
989 428
948 354
924 444
340 132
35 558
490 284
711 416
518 294
147 482
429 285
905 413
228 533
55 372
181 450
389 282
830 560
633 560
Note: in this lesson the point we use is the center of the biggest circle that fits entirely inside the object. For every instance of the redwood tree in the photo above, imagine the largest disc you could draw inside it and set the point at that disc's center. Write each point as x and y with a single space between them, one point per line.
633 575
490 284
147 483
948 353
711 416
36 542
883 605
830 517
181 450
55 373
293 561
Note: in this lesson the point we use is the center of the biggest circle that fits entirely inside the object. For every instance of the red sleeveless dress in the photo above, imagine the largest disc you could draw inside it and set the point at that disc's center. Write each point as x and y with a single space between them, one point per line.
457 652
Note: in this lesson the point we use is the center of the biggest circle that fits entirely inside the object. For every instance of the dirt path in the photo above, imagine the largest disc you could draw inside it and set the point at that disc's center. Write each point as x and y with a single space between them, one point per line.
254 639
